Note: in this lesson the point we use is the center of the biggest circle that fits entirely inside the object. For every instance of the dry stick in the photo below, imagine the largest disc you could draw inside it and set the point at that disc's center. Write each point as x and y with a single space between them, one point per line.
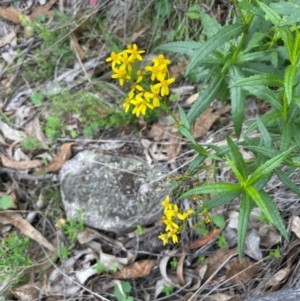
72 280
214 274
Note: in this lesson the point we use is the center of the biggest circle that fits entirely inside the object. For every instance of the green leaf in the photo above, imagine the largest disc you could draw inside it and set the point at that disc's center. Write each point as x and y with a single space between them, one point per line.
37 98
255 40
235 171
218 220
288 40
183 47
194 12
265 151
238 100
268 167
289 80
270 14
255 56
285 8
213 188
274 213
183 118
223 36
257 198
186 133
205 98
222 198
287 181
244 215
237 157
266 94
209 24
285 137
5 202
264 134
266 79
195 163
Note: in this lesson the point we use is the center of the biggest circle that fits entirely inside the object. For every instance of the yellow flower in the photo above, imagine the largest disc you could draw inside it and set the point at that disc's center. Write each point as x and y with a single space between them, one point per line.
170 224
164 85
114 58
172 212
164 237
156 70
154 95
166 203
161 60
140 75
127 104
135 54
173 235
141 105
126 61
185 214
121 74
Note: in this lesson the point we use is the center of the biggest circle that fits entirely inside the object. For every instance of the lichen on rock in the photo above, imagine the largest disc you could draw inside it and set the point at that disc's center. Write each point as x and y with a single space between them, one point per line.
113 193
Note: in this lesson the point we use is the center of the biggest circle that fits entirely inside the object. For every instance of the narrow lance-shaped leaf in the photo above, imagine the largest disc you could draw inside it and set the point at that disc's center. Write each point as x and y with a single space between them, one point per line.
288 40
183 118
274 213
266 94
237 157
266 79
235 171
223 36
213 188
257 198
205 98
289 79
183 47
245 209
286 137
268 167
238 100
287 181
270 13
264 134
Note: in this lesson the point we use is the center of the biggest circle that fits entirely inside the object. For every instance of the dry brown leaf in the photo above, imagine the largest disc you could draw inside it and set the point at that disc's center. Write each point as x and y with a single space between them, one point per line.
179 269
191 99
237 268
25 227
20 165
269 236
204 122
11 14
220 297
138 269
136 35
217 259
177 70
33 128
174 147
10 133
279 277
295 225
204 240
28 291
77 48
7 38
58 161
42 10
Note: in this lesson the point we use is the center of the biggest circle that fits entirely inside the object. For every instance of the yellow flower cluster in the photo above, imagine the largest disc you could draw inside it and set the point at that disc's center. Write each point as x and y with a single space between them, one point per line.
172 217
147 85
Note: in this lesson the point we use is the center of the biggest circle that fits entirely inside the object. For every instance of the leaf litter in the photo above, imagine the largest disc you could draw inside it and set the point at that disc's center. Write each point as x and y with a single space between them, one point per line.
158 142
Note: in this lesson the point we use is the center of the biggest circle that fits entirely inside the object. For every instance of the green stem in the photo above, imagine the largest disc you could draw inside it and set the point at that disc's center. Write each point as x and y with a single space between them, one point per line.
168 111
285 108
244 35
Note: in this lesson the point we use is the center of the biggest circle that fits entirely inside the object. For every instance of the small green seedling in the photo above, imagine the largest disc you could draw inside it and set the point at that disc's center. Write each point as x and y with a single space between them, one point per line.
276 254
121 293
221 241
174 262
167 289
